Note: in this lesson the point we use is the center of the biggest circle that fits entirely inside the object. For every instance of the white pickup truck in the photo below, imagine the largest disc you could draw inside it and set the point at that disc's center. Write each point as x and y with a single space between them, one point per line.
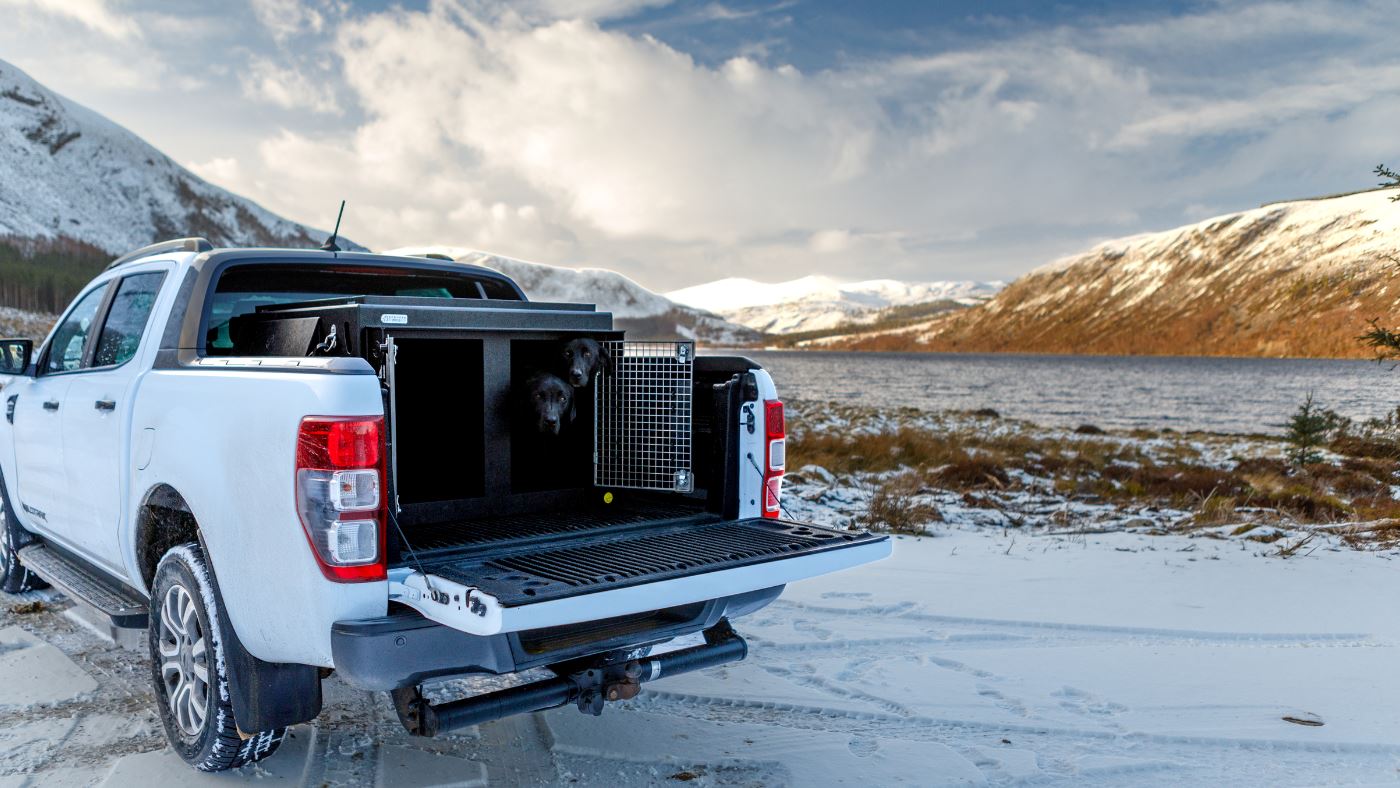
283 463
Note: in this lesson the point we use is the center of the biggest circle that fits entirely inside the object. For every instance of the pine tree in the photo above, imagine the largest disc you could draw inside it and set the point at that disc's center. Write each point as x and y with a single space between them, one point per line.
1308 431
1391 179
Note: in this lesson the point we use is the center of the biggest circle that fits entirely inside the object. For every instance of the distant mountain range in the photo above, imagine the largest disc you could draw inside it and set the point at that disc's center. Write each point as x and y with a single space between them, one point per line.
818 303
1297 278
637 310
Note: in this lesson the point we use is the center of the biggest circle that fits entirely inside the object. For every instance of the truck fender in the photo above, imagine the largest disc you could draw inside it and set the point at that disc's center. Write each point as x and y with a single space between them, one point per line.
266 695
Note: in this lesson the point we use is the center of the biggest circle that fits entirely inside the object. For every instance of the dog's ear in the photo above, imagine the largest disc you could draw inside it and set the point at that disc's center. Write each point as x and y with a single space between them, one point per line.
604 357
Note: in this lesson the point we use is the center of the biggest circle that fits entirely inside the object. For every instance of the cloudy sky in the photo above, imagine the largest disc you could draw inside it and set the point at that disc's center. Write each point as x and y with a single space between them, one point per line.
684 141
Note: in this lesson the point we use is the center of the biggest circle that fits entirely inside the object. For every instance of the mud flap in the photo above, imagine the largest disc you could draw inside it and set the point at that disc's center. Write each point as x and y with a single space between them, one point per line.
265 695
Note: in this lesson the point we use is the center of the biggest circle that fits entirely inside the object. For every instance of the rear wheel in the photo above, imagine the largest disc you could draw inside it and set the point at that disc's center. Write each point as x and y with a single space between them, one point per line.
188 667
14 578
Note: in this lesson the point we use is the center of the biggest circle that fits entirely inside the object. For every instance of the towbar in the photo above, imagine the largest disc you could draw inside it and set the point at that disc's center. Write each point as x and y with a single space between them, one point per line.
589 689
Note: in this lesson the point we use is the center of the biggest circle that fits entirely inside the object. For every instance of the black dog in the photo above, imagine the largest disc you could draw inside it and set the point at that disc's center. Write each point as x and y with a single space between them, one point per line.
551 402
583 357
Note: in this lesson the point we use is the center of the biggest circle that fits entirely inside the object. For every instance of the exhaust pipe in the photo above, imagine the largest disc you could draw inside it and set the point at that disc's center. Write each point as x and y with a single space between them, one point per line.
589 689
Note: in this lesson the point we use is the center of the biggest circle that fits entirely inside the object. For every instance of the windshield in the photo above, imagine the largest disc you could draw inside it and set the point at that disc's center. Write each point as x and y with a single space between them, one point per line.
241 290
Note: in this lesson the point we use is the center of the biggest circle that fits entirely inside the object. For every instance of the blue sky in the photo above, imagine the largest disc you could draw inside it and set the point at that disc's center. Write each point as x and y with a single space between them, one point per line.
682 142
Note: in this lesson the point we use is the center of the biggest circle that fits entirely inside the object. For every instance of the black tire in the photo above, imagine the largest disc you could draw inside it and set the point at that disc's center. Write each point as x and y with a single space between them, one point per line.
185 645
14 578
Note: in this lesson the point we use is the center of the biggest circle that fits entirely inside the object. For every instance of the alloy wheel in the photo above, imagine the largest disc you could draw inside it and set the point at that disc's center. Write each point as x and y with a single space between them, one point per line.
184 654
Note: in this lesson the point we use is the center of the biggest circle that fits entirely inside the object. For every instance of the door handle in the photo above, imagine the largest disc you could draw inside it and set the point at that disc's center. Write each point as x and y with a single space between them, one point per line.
105 404
51 405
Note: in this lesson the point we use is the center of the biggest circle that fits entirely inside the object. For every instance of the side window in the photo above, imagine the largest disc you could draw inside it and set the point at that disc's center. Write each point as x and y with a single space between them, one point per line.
65 354
126 320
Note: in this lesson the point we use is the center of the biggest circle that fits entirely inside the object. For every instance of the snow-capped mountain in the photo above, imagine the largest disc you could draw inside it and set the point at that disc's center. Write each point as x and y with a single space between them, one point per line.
817 302
67 174
1298 278
635 308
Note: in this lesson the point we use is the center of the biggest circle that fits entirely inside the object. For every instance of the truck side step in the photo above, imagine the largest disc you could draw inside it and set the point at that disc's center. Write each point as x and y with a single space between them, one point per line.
87 585
588 689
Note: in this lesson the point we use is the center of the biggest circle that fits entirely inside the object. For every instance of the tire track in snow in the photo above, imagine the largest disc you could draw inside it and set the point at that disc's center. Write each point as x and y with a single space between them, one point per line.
919 727
909 611
850 693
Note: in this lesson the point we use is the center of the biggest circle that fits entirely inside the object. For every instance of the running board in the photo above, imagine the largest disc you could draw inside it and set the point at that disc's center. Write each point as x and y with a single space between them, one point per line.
588 579
589 689
86 585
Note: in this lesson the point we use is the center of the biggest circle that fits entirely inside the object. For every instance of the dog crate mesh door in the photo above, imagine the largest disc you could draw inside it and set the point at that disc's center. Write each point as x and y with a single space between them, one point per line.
642 417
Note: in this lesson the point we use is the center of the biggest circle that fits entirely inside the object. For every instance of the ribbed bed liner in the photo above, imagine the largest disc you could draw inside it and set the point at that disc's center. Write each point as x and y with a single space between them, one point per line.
537 526
571 564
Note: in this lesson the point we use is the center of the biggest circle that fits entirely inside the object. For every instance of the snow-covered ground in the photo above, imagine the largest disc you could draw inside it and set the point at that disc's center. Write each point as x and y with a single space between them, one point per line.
978 656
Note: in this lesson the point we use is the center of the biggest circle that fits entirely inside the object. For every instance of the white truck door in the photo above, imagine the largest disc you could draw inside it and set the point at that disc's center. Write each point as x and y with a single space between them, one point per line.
45 497
96 419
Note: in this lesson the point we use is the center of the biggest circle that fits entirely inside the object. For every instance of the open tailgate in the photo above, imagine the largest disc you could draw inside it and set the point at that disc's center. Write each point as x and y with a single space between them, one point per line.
586 577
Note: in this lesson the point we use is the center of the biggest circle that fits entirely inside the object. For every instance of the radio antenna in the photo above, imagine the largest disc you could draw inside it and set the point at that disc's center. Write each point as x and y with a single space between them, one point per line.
329 245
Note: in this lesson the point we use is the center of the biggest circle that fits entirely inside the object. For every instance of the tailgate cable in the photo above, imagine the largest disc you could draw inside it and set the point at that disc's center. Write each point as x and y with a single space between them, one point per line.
761 491
413 554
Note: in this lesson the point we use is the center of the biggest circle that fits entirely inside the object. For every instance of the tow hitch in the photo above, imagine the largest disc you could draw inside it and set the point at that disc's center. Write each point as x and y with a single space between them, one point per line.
589 689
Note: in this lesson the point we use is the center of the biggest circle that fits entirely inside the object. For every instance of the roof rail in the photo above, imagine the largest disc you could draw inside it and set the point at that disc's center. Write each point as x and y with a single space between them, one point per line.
177 245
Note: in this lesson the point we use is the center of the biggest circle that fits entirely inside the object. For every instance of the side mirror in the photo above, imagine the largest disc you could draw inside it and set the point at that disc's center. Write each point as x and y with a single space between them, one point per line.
15 355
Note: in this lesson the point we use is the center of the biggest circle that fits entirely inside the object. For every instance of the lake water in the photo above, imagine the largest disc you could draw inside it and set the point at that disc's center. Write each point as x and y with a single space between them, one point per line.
1216 394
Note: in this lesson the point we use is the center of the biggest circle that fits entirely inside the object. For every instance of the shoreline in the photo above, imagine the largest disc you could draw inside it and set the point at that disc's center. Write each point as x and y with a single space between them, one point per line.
919 473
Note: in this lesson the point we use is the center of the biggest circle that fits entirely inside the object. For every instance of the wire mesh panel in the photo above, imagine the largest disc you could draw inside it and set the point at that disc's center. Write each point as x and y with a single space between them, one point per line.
643 412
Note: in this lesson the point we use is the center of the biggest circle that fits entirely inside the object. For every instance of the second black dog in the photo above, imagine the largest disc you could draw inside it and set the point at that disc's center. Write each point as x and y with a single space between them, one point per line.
583 357
551 402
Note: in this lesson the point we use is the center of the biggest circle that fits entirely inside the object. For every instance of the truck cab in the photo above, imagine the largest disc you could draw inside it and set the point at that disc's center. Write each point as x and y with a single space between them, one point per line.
283 463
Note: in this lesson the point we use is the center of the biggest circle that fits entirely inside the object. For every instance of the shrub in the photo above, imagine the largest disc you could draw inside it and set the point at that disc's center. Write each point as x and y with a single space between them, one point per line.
971 473
895 507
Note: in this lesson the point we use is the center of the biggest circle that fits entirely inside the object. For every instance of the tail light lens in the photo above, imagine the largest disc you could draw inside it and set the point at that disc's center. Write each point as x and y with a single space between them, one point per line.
340 495
775 452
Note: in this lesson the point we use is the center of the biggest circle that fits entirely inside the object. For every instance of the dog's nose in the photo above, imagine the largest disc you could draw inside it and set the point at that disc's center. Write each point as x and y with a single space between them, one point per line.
551 420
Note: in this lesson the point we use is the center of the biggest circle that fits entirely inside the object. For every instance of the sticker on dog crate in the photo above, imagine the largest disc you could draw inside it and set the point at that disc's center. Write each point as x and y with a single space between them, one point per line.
642 417
394 320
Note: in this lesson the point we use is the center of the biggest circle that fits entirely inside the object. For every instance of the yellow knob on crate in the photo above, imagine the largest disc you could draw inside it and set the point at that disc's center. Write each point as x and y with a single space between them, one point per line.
607 497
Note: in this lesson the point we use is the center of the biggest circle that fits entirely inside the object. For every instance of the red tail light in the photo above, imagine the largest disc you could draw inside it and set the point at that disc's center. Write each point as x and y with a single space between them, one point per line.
340 495
775 457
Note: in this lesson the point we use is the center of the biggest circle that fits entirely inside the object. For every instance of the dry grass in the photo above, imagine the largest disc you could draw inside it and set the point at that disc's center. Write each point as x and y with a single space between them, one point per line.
990 465
1217 510
895 507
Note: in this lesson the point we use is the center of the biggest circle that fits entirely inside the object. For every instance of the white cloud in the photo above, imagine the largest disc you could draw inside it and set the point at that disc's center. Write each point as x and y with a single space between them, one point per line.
531 129
286 18
96 15
222 170
288 87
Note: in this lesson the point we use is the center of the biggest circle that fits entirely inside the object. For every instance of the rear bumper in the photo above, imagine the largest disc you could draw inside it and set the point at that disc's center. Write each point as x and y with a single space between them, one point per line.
405 649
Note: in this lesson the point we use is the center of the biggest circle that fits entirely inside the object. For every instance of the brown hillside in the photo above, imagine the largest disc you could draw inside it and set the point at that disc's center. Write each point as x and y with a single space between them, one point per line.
1292 279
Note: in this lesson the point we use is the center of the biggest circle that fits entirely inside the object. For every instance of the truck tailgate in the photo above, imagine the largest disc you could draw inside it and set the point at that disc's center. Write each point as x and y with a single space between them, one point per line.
585 577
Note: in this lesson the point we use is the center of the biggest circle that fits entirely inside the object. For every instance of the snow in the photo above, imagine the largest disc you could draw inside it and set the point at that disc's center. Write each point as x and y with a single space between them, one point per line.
975 657
36 673
820 302
70 173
